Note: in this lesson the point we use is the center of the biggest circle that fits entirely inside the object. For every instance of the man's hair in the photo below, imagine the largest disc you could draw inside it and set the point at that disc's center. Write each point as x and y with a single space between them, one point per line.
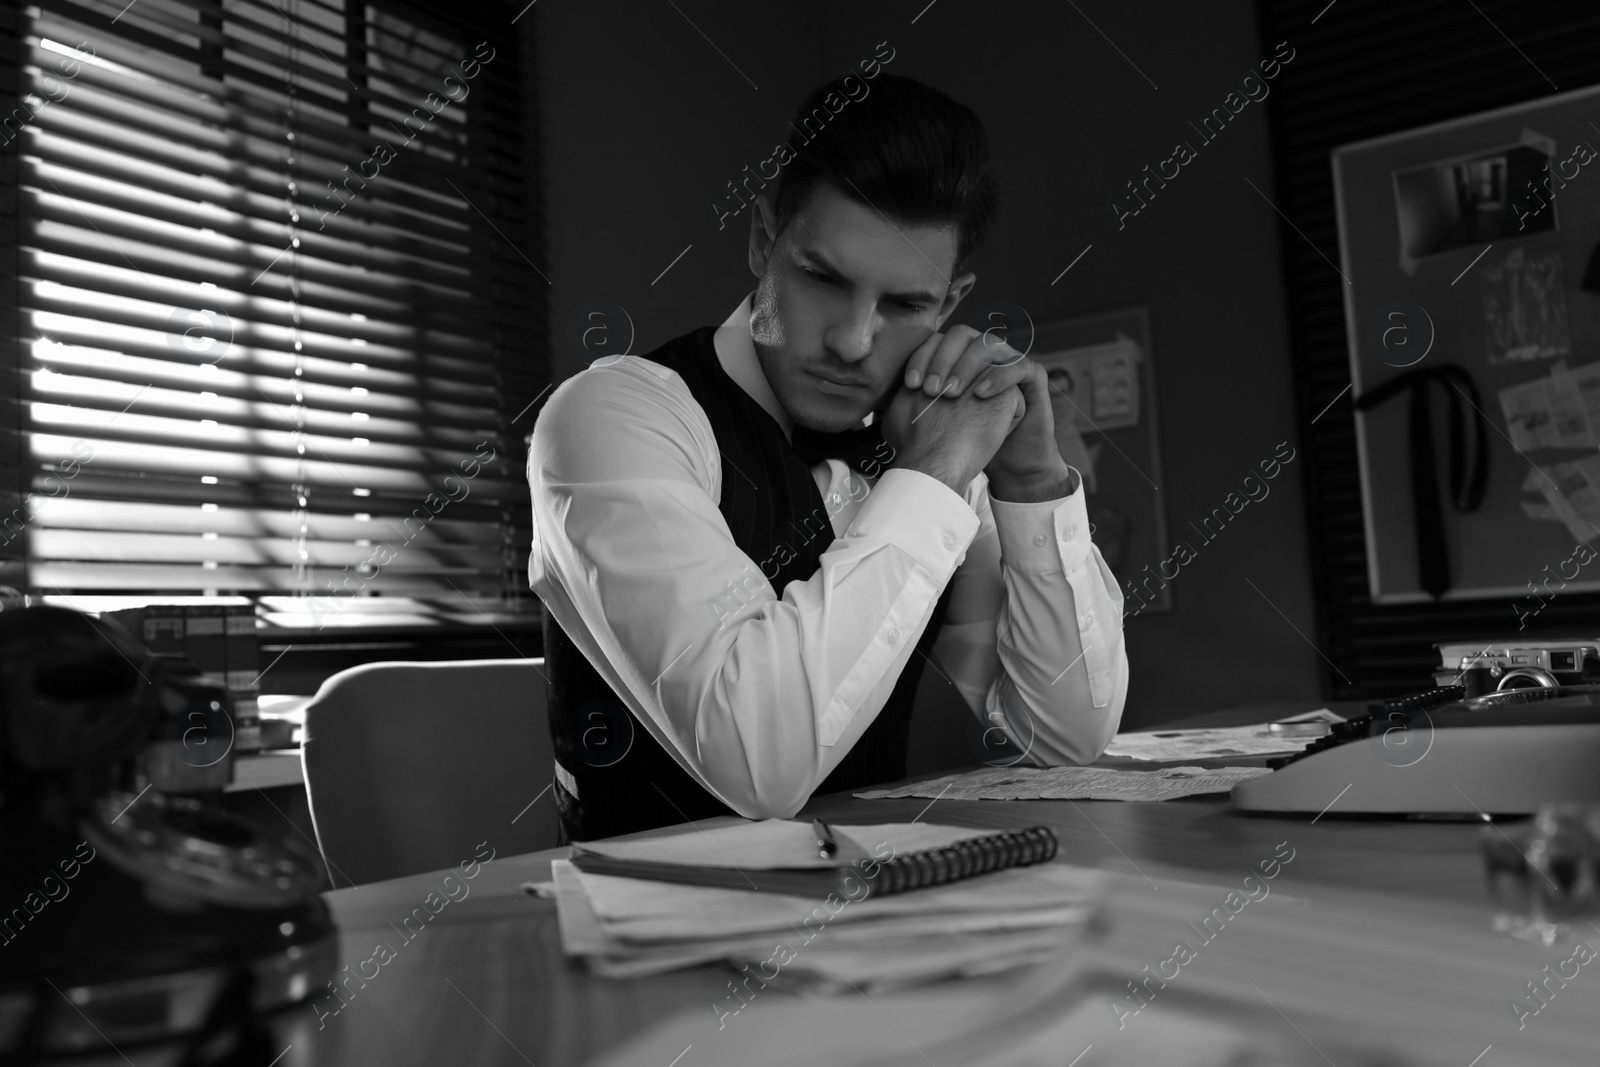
903 149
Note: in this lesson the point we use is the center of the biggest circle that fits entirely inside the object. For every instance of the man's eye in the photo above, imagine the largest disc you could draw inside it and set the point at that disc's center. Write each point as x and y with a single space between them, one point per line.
907 305
818 276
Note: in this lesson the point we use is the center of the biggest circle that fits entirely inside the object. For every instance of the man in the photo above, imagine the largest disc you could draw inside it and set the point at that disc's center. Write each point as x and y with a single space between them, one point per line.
744 577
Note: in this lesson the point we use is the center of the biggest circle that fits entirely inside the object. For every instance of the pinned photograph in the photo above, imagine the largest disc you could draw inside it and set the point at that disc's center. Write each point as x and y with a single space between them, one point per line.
1469 201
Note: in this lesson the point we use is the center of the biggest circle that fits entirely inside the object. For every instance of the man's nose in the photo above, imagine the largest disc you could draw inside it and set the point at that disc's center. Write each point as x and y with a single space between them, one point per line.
851 337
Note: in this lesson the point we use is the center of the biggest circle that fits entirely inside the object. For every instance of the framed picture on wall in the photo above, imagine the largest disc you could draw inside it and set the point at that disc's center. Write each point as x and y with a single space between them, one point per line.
1102 391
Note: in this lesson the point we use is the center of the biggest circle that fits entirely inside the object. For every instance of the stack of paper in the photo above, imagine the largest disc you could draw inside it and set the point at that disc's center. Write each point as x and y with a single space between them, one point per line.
626 927
1221 743
1226 742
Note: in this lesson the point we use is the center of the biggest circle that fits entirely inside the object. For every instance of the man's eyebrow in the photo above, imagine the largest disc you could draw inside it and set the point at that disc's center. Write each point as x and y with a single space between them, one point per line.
916 296
924 296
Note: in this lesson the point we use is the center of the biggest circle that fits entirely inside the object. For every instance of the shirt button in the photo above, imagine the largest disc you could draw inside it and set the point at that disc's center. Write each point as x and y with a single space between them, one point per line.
1069 533
949 543
1088 618
894 635
1038 539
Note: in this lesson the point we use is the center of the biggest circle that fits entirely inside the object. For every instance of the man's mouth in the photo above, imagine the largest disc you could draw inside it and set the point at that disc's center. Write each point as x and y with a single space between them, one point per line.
836 383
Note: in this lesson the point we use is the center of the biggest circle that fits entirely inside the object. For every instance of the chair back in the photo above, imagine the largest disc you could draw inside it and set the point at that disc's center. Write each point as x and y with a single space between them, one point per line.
410 766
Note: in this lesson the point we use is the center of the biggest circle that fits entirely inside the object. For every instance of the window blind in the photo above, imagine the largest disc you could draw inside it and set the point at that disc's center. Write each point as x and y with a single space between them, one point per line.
274 334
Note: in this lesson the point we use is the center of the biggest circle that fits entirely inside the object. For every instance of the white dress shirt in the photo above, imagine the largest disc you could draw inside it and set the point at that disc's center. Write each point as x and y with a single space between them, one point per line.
759 697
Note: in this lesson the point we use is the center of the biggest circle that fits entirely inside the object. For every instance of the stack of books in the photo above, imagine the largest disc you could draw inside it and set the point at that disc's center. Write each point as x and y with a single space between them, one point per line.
824 908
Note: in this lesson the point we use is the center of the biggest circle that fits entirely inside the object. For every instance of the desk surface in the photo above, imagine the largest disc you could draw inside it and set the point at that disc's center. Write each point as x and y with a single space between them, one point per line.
1389 932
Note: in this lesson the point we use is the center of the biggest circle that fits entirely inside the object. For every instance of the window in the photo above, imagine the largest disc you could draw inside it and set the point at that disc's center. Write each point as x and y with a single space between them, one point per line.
275 307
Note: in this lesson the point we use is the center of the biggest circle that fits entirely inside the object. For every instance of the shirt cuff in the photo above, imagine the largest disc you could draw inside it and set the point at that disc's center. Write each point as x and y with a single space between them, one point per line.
919 515
1043 537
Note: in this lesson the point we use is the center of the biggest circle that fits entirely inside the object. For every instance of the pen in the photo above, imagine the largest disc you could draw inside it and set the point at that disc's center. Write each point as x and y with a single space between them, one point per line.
827 847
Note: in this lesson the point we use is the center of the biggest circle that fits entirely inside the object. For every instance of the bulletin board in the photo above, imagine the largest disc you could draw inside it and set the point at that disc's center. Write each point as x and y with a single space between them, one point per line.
1102 394
1473 242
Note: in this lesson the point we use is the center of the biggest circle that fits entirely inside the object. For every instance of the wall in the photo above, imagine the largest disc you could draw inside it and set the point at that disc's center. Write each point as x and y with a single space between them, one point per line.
642 124
643 121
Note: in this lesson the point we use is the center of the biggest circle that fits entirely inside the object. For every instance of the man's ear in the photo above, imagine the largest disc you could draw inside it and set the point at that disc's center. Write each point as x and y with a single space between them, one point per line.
959 288
763 234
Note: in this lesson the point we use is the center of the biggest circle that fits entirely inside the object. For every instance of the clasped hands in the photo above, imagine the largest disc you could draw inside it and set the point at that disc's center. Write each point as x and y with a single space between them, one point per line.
970 402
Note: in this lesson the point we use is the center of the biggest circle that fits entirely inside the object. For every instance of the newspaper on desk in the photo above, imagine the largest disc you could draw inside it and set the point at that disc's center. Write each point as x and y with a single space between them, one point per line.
1074 783
1230 742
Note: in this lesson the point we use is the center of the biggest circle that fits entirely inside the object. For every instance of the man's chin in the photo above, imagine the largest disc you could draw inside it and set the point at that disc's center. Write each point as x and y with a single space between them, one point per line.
822 417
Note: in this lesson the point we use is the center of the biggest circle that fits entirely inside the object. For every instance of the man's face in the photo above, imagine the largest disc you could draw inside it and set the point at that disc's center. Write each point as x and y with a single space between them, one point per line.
845 297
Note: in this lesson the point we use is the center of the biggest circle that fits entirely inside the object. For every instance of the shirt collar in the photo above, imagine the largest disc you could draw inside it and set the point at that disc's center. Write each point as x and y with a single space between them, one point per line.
736 351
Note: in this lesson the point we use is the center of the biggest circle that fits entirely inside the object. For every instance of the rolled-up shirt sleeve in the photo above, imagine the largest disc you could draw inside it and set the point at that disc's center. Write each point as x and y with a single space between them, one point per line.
1034 642
757 696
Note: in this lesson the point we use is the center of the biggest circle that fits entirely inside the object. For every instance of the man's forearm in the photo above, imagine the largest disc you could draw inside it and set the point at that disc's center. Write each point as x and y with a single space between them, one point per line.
1055 664
1054 483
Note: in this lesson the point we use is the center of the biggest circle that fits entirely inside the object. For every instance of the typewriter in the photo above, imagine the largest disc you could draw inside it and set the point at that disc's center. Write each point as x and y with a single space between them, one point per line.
1443 752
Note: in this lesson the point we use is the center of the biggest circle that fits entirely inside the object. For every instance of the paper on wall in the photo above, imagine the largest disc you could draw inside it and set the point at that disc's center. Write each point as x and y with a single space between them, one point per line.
1572 490
1116 384
1536 481
1527 410
1095 388
1582 386
1559 411
1075 783
1524 307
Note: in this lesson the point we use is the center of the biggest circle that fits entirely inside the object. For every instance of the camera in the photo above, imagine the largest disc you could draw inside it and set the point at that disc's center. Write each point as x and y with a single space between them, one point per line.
1491 666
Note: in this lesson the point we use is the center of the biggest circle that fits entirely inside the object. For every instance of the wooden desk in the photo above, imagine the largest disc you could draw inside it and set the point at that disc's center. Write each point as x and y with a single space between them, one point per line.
1376 929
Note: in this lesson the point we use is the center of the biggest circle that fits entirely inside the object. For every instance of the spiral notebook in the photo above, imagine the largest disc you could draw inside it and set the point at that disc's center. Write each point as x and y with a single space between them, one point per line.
781 856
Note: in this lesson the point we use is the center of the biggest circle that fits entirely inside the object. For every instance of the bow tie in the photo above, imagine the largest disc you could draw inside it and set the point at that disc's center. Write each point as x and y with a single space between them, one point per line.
862 449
